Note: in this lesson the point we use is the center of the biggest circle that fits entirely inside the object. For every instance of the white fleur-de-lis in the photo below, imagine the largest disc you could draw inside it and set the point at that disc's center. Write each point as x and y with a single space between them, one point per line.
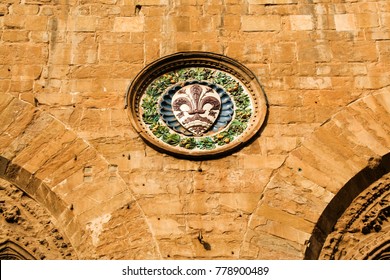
196 107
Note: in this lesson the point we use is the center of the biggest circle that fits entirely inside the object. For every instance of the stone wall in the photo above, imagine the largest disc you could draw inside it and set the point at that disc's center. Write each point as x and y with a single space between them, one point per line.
65 66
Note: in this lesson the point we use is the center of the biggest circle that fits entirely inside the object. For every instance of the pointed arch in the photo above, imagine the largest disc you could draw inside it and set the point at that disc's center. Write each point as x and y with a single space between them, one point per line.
66 175
10 250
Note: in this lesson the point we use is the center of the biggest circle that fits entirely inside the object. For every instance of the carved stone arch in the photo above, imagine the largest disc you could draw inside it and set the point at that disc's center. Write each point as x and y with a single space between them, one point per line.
351 149
28 230
75 183
10 250
381 252
355 218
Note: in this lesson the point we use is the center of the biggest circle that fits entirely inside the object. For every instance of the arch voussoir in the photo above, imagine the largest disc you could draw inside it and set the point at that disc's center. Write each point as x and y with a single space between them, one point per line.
316 173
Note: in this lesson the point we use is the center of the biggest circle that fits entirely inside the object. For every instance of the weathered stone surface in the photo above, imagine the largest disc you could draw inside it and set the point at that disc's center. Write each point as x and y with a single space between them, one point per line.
345 22
129 24
30 225
261 23
66 139
361 222
301 22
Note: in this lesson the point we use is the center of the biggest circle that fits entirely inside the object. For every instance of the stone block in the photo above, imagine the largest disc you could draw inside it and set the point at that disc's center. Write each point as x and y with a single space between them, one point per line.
261 162
275 2
310 52
261 23
234 9
25 72
384 51
83 23
384 20
37 23
313 82
287 232
371 82
166 227
39 2
301 22
15 36
129 24
202 203
327 146
153 24
373 134
14 21
182 24
378 34
245 202
32 186
31 54
46 155
129 53
17 116
3 166
69 175
345 22
3 9
84 54
41 193
284 52
5 71
177 164
284 143
54 204
172 182
92 71
313 169
21 86
269 246
4 85
229 181
157 206
254 9
369 20
22 9
106 190
39 36
291 115
149 2
232 22
62 168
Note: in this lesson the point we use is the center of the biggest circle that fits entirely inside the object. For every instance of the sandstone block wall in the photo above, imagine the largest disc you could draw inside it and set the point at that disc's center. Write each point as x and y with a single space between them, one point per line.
65 66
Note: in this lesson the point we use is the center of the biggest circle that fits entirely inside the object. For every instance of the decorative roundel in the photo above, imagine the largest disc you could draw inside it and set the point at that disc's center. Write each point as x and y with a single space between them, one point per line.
196 105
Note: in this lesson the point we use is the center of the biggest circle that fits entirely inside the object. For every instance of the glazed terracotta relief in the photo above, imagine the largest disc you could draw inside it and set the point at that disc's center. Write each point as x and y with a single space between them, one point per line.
196 111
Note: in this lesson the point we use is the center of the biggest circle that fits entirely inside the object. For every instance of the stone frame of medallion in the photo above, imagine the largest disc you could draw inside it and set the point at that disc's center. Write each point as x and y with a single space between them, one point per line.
182 60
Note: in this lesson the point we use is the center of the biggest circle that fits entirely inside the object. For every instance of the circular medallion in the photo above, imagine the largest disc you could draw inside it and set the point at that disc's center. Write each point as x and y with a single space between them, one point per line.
196 105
